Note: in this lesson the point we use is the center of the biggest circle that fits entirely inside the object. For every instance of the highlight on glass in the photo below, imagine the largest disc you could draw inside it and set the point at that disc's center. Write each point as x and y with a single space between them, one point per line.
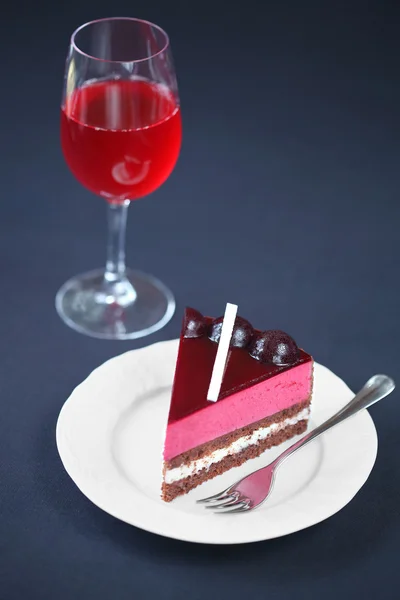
121 136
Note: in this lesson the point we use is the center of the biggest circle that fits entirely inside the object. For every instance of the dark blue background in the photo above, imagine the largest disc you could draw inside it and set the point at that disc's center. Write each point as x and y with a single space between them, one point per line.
285 201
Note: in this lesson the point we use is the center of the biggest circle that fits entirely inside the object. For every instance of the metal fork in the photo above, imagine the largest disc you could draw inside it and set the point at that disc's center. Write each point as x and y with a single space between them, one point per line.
251 491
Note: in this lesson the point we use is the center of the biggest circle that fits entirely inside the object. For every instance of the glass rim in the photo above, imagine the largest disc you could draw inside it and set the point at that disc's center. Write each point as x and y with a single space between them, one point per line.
104 60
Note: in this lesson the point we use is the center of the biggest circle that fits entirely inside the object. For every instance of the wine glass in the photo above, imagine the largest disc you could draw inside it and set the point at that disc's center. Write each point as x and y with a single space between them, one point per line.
120 135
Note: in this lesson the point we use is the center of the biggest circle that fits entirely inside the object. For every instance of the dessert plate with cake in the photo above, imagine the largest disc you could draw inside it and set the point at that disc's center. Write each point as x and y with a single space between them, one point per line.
152 431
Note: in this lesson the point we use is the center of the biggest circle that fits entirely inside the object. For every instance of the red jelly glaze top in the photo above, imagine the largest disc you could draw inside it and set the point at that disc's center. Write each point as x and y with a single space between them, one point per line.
194 368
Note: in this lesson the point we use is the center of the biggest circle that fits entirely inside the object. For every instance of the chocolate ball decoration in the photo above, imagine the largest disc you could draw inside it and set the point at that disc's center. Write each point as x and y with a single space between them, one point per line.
215 329
194 324
259 347
241 335
275 346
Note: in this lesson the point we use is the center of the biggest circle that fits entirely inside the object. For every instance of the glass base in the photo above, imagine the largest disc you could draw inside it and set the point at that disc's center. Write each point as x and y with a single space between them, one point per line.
83 304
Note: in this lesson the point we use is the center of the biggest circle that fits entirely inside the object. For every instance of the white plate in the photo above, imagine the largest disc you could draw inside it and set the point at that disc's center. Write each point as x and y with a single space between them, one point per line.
110 434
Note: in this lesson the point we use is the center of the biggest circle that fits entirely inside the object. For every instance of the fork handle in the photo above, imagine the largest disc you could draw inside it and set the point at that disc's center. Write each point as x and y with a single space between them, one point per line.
376 388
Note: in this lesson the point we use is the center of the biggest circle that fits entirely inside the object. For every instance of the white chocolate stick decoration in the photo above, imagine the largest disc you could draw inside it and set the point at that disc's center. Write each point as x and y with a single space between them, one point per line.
222 352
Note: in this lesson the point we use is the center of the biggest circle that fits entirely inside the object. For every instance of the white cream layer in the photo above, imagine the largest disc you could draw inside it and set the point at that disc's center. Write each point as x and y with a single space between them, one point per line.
195 466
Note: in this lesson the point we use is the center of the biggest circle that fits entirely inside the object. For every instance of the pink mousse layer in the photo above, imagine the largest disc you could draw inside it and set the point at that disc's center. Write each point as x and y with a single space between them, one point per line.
239 410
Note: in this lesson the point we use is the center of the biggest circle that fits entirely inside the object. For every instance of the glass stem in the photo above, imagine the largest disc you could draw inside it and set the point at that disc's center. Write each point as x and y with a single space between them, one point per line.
117 287
115 265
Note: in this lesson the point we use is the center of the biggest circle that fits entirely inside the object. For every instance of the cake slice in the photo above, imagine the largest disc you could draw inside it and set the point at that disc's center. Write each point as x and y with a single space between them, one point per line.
264 400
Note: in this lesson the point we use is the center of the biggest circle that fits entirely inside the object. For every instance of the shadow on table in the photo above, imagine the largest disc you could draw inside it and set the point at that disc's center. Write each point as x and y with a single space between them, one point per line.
345 539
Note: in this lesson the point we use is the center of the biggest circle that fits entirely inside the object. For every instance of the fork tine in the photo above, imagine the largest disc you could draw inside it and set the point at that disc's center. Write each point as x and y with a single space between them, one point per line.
242 506
215 498
230 500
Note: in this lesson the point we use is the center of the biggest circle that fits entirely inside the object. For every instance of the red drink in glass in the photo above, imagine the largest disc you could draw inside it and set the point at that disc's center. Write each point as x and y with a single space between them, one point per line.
121 138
